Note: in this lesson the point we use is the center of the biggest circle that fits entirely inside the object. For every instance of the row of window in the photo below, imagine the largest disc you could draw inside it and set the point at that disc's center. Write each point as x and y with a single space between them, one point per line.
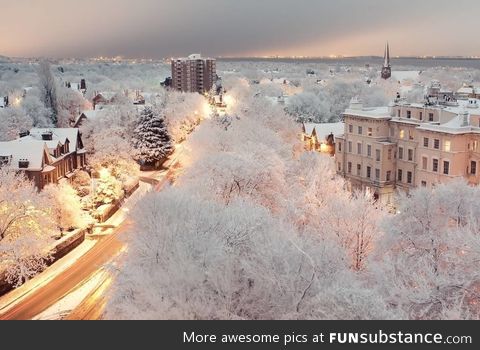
420 116
360 130
435 165
368 174
409 176
378 152
447 145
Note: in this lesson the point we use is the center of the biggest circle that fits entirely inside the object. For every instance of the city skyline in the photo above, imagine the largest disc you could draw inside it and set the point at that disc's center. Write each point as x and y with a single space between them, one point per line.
157 29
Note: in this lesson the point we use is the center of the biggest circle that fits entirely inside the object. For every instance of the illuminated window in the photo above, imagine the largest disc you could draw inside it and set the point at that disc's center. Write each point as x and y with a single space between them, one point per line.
447 145
402 134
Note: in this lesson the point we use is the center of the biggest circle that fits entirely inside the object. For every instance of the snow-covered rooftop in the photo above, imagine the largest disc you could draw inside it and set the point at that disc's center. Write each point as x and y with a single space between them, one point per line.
374 112
58 135
33 151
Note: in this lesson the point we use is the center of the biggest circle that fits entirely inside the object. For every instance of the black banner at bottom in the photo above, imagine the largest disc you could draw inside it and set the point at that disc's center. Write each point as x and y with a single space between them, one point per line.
245 334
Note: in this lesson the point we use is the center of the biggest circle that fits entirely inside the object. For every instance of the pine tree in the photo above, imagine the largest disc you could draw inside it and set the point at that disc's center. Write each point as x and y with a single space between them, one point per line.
151 140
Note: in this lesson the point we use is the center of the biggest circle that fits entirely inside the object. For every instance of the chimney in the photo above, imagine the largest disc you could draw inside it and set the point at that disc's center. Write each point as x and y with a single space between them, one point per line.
356 103
23 163
47 136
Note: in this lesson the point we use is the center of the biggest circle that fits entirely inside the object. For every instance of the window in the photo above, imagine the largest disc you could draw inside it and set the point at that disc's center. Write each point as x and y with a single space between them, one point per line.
409 177
435 165
377 155
446 167
339 147
398 113
377 174
350 128
410 155
400 152
409 114
389 175
447 146
369 172
421 116
370 132
430 117
389 154
473 167
359 169
424 163
400 175
402 134
339 166
359 148
425 142
360 130
424 183
436 143
350 146
349 167
369 150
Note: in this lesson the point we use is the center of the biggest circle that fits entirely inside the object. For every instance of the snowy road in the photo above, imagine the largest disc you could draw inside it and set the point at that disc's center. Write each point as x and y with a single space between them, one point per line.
83 284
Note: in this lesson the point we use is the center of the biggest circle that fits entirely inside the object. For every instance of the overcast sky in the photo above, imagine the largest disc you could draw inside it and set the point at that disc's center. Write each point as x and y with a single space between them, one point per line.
164 28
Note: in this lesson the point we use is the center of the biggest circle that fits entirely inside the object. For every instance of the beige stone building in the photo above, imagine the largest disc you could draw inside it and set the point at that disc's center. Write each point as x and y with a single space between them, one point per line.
404 145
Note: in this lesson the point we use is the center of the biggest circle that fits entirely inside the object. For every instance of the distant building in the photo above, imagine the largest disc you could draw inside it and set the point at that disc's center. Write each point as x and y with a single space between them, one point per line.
81 87
387 68
321 136
103 99
45 155
193 73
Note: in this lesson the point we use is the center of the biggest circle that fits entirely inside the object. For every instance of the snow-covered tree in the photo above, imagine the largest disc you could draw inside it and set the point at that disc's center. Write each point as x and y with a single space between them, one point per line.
430 253
48 88
231 262
66 208
151 140
12 122
107 188
27 227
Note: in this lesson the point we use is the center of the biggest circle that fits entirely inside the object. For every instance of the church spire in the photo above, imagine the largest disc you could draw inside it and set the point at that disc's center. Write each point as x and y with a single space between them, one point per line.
387 56
387 68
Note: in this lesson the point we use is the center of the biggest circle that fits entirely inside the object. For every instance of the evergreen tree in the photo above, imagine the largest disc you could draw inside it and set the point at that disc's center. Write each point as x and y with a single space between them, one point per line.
151 139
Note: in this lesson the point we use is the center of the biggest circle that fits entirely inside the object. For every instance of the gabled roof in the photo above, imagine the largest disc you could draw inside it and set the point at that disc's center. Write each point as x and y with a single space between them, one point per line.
35 152
61 135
